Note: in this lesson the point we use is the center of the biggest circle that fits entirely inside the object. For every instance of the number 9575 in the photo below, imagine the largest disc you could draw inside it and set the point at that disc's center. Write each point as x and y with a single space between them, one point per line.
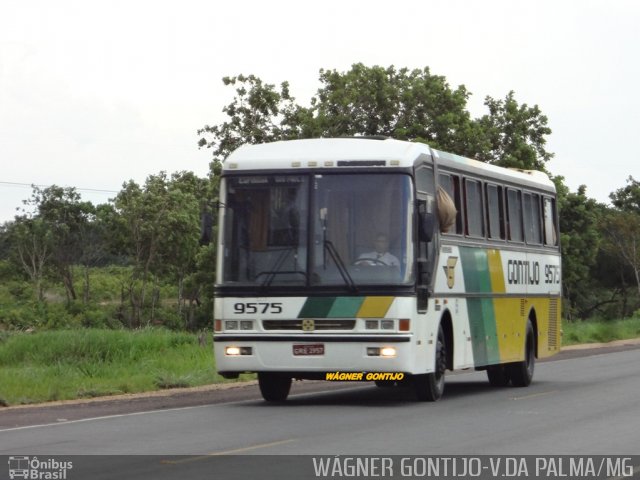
256 307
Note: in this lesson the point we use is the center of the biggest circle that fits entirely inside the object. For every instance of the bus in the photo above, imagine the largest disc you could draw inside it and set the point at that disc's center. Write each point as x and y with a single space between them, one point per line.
384 258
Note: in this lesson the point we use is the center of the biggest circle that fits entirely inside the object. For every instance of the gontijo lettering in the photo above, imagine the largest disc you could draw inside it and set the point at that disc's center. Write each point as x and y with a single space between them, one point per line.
523 272
364 376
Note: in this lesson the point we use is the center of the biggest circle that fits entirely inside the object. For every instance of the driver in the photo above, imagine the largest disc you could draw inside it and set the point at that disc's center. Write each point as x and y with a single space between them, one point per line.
381 254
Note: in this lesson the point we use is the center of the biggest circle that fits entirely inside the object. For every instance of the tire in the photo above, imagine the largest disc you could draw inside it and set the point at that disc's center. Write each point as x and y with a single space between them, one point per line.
429 387
521 373
274 387
498 375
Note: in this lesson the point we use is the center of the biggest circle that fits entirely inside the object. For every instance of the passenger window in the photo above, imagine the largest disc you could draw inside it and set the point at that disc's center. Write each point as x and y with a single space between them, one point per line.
474 218
549 212
531 211
451 185
514 219
495 209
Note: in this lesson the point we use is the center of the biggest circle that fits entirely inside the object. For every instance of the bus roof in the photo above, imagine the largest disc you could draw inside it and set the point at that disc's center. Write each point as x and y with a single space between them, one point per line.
515 175
320 150
368 152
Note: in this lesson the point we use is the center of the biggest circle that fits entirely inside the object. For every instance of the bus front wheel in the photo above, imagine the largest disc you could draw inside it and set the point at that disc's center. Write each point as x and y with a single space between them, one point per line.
274 387
429 387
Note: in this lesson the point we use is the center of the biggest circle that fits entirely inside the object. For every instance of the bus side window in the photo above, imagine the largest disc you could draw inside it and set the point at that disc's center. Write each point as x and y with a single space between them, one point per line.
474 218
514 217
451 185
495 210
550 235
531 211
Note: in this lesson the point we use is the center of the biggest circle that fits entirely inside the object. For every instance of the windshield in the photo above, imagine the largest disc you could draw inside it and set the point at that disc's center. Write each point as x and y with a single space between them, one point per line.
264 230
362 225
359 227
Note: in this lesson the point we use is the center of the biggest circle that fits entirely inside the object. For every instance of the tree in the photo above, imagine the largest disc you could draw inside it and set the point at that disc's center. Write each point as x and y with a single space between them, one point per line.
94 242
364 101
516 134
407 105
622 233
254 116
179 249
627 198
580 240
159 229
622 227
30 242
66 217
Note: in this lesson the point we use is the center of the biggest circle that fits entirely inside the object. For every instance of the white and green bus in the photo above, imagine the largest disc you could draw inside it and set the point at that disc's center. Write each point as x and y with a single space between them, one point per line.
367 255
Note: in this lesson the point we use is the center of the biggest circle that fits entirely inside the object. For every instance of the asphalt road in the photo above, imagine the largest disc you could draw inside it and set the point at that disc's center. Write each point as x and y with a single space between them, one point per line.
583 404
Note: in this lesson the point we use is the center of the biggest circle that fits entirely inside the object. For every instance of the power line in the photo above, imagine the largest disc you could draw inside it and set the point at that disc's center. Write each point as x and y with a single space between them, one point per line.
30 185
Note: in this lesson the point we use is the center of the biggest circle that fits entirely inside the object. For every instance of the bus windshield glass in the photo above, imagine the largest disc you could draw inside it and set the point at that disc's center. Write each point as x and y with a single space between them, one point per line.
362 225
350 230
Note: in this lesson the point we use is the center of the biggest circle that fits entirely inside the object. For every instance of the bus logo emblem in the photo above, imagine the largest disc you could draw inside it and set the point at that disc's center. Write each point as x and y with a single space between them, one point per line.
308 325
18 467
450 271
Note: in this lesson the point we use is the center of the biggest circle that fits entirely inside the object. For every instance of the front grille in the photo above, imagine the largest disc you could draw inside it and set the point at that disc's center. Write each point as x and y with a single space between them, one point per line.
324 324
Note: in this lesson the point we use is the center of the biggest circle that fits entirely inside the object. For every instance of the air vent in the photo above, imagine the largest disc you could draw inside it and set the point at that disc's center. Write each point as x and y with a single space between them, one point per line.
362 163
553 324
523 304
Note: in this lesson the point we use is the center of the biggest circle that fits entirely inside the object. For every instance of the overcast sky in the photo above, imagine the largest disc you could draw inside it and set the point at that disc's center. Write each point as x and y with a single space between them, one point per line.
95 93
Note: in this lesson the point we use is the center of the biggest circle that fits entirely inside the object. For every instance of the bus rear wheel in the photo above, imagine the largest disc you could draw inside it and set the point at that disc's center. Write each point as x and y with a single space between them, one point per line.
521 373
274 387
429 387
498 375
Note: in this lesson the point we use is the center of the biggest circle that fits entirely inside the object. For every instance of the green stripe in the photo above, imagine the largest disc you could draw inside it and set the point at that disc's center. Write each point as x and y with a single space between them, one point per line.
484 340
475 268
482 317
346 307
316 307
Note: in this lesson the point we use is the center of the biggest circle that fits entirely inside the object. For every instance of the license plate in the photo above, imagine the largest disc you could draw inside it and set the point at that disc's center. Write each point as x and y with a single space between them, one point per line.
307 349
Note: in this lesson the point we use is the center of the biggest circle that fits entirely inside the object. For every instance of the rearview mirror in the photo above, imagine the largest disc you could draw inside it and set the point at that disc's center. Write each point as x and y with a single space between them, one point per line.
426 226
206 228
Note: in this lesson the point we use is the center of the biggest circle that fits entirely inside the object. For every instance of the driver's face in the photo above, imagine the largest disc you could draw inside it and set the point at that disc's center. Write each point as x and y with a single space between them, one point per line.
382 244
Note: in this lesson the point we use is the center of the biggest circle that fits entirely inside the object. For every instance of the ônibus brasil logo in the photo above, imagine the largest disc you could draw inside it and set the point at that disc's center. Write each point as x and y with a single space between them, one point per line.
32 468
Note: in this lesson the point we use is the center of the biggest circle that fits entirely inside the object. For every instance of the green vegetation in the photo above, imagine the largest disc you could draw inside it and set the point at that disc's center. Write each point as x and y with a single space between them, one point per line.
138 261
600 331
68 364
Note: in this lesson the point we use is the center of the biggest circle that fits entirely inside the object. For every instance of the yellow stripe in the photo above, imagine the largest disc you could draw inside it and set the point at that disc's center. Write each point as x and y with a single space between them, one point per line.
495 271
507 312
503 309
375 307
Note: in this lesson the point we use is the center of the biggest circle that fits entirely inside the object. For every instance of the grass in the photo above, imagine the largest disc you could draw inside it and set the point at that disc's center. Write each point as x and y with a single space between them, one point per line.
69 364
85 363
600 331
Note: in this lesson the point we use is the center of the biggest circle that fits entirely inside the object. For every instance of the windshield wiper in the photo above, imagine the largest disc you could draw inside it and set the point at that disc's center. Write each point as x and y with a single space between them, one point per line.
275 269
329 247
